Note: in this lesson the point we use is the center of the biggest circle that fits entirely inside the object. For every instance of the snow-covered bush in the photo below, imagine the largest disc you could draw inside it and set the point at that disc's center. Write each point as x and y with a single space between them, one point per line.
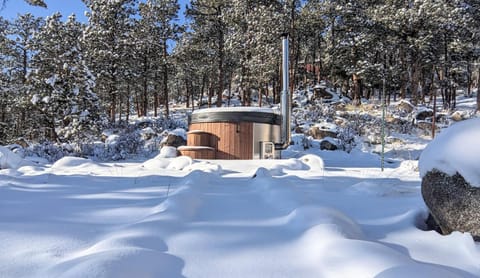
346 138
49 150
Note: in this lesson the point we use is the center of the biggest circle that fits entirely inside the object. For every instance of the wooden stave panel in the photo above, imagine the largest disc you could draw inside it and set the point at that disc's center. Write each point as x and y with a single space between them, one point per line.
229 143
199 139
196 153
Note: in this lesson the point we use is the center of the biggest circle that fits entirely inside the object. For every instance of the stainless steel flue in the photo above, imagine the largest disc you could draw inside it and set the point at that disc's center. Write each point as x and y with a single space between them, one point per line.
285 100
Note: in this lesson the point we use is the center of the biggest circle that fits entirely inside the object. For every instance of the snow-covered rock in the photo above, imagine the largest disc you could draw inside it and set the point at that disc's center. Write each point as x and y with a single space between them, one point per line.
11 160
456 149
451 178
168 152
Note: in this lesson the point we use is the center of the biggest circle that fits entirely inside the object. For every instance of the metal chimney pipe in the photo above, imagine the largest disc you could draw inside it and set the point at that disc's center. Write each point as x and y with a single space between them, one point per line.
285 100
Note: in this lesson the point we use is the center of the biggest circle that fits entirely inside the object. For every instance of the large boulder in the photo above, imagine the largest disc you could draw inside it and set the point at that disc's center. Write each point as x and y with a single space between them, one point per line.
173 140
405 106
321 132
453 202
451 178
328 145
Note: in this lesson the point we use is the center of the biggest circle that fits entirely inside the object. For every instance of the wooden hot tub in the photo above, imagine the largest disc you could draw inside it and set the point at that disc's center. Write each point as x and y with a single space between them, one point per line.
233 133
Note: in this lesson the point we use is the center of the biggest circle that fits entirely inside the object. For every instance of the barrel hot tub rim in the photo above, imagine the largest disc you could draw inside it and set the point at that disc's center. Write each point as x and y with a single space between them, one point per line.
236 115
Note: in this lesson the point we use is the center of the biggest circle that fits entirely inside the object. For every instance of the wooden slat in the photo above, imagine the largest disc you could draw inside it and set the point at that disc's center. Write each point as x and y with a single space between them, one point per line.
198 152
199 139
231 140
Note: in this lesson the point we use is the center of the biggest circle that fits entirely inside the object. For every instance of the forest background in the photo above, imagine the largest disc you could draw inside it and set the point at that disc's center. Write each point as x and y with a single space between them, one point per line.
66 81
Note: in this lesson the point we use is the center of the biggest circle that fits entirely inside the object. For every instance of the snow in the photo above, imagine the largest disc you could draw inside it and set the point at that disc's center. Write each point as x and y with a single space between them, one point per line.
179 132
246 109
9 159
168 151
315 214
454 150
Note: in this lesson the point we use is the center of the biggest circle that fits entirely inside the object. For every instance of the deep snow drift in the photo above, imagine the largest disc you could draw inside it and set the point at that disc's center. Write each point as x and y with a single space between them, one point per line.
317 214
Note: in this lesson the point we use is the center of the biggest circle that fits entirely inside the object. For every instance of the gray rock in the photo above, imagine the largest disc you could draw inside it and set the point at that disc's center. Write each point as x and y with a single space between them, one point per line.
405 106
173 140
423 115
318 133
327 145
453 202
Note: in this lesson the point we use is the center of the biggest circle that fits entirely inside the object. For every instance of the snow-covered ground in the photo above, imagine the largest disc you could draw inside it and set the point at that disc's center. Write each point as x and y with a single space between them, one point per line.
315 214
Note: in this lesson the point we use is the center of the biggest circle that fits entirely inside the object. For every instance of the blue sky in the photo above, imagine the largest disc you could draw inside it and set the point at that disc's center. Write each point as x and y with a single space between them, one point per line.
65 7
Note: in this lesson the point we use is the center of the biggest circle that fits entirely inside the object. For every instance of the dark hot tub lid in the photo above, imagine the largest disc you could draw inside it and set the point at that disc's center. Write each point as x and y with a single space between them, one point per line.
237 115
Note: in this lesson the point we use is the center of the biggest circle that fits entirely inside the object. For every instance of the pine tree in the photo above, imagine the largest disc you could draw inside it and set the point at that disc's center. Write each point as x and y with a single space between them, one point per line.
195 63
254 37
20 34
209 24
107 40
311 27
61 92
39 3
5 92
157 28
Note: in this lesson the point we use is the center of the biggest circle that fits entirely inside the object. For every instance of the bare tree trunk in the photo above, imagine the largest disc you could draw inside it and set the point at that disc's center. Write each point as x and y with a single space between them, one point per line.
469 80
434 113
120 107
260 96
230 88
221 54
113 105
156 97
137 104
145 96
478 91
187 92
210 93
414 83
128 104
356 90
202 90
165 79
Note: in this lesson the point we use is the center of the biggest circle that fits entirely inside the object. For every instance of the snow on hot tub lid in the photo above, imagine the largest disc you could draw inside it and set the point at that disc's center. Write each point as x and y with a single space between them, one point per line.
237 109
236 115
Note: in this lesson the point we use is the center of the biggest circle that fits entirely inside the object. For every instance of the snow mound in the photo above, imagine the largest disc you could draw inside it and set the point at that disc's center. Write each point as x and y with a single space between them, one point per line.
313 161
307 217
10 160
161 162
454 150
420 270
262 172
70 161
157 162
168 151
179 163
205 166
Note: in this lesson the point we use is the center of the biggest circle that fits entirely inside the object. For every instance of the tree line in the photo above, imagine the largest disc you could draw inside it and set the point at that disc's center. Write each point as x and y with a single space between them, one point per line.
62 79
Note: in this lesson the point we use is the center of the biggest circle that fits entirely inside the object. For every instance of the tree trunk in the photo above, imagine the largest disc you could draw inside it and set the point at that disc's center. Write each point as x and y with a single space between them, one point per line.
145 95
128 104
478 91
403 78
113 105
156 98
202 90
469 80
165 79
434 114
210 94
356 89
230 88
137 104
187 92
221 54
